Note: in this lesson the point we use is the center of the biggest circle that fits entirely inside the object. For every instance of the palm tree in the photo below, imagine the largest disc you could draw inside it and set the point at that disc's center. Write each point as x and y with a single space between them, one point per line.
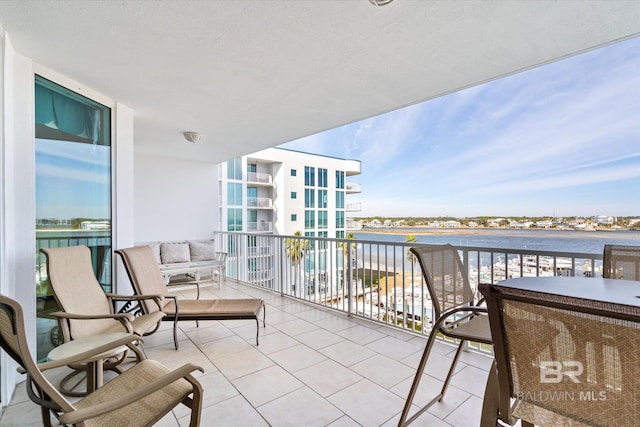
410 239
296 250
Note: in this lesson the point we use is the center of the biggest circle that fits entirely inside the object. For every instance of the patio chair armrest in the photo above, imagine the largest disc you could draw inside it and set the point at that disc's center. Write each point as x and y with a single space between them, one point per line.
119 316
471 309
125 318
155 297
81 357
481 301
126 399
119 297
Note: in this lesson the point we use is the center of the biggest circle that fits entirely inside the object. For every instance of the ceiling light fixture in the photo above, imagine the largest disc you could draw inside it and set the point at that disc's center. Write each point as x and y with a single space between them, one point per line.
380 2
192 136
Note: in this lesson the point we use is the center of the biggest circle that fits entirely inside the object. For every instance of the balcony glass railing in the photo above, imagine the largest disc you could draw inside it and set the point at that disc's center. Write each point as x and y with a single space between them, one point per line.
352 187
260 226
259 202
353 207
259 178
377 280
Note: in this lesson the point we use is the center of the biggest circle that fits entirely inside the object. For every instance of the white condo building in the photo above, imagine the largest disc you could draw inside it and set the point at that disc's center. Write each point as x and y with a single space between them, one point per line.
281 191
285 192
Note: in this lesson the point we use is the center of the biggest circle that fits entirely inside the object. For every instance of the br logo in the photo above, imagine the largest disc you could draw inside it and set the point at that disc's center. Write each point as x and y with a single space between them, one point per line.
553 372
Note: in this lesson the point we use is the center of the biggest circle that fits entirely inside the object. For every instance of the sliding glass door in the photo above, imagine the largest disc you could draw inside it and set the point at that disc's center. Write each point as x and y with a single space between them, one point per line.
73 189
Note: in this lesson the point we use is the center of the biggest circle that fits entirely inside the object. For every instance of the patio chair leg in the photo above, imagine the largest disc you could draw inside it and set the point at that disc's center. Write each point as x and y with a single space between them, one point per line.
175 332
416 382
451 370
46 416
257 330
137 349
490 402
70 391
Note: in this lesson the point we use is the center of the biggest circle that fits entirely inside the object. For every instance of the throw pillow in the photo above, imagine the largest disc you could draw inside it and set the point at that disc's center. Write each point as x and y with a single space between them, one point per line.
174 252
202 251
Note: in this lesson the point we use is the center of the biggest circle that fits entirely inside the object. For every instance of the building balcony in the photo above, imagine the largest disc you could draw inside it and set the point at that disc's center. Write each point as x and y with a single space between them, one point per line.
353 167
353 188
260 227
259 203
353 207
259 179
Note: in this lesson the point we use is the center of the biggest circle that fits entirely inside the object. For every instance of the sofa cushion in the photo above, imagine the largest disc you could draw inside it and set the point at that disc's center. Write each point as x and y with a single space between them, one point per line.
173 252
202 251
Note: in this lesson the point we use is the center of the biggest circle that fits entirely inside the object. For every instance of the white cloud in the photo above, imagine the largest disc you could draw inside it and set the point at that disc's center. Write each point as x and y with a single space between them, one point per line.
564 128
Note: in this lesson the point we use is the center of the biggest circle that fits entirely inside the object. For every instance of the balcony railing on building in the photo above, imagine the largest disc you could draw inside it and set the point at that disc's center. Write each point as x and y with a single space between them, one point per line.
352 188
379 281
258 178
353 207
260 226
259 203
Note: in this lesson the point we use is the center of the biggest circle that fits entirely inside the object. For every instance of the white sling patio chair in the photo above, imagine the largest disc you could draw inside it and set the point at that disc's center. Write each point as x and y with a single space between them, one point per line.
86 309
140 396
146 279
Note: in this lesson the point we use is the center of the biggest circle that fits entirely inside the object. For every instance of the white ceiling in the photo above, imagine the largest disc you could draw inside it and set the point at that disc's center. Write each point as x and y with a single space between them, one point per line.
253 74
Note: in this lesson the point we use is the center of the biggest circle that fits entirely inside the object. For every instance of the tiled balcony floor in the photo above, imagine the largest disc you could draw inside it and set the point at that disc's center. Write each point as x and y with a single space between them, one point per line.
312 368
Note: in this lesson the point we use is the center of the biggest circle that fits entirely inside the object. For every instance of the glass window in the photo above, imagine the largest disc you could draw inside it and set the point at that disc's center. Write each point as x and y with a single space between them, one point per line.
322 219
252 167
294 172
340 234
339 219
339 199
309 176
294 217
234 194
340 179
234 219
309 198
72 187
322 177
322 199
234 168
309 219
294 195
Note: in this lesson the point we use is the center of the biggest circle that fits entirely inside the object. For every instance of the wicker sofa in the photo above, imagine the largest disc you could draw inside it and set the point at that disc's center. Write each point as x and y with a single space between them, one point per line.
193 259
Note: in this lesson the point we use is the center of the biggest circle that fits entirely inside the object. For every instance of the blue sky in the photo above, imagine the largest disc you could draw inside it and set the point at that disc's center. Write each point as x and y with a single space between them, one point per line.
563 138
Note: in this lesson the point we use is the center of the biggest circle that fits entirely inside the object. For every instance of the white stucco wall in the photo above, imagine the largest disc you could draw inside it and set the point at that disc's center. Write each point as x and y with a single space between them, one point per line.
174 199
18 213
123 202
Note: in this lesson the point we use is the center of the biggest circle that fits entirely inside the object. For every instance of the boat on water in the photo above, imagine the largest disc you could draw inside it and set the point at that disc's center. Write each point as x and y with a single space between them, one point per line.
534 266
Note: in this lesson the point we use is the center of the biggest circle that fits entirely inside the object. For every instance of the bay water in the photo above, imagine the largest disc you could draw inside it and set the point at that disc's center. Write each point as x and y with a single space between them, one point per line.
586 242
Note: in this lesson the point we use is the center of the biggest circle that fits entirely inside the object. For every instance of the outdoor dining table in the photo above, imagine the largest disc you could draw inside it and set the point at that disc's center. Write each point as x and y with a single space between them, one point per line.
612 295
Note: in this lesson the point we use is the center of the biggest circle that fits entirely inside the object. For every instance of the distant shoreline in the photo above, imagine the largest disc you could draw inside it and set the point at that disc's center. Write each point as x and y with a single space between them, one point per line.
419 231
466 230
